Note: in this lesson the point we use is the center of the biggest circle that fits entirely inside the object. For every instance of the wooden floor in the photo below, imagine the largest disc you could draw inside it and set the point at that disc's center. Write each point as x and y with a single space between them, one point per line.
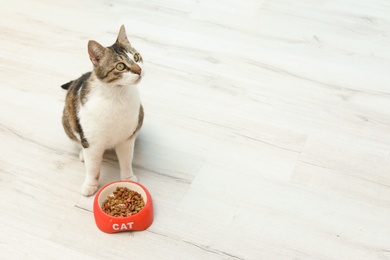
266 136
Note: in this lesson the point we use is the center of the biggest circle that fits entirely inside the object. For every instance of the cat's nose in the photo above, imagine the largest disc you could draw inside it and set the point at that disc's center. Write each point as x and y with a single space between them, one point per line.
135 69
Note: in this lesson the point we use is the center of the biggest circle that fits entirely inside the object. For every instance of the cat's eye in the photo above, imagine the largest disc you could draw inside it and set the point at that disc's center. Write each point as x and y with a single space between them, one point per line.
137 57
120 66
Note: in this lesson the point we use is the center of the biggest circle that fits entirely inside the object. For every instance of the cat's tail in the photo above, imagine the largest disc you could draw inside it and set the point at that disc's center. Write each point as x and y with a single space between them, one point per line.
67 85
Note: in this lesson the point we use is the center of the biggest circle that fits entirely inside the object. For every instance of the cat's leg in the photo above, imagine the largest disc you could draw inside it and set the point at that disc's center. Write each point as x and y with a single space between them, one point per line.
125 153
93 157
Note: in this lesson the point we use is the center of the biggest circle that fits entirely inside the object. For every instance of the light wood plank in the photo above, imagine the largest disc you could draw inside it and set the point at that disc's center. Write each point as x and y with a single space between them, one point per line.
266 136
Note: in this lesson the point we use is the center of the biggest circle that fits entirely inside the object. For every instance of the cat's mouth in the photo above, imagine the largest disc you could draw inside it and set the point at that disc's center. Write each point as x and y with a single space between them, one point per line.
138 80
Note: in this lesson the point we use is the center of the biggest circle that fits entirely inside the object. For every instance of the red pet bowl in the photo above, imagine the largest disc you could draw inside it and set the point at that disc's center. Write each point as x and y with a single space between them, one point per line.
109 224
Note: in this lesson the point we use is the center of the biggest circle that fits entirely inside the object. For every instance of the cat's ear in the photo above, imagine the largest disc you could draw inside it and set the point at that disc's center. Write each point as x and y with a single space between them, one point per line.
96 52
122 38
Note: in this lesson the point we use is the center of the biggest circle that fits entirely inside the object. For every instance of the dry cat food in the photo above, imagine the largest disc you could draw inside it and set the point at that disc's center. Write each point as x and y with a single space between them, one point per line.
123 203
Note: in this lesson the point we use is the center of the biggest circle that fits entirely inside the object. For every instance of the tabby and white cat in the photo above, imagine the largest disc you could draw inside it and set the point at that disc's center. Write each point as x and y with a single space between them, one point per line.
103 108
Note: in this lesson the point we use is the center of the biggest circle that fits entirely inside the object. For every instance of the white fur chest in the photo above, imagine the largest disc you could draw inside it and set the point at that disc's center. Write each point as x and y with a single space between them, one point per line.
110 115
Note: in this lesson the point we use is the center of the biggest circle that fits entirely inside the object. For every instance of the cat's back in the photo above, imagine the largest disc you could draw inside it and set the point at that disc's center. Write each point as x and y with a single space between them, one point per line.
70 120
74 87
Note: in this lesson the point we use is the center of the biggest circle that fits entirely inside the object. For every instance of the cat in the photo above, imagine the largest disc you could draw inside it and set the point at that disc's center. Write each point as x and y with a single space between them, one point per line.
103 109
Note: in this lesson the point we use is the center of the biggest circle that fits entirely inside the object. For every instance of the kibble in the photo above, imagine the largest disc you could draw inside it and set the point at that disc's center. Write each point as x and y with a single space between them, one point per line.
123 203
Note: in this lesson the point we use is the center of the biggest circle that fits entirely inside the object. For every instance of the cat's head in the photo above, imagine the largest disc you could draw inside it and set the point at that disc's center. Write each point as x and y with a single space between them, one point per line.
119 64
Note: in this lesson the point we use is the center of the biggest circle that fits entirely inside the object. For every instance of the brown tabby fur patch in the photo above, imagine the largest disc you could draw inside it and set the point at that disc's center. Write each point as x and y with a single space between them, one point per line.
70 119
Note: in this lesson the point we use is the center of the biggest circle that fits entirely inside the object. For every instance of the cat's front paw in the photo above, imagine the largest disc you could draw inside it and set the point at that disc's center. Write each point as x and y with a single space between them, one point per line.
88 190
131 178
